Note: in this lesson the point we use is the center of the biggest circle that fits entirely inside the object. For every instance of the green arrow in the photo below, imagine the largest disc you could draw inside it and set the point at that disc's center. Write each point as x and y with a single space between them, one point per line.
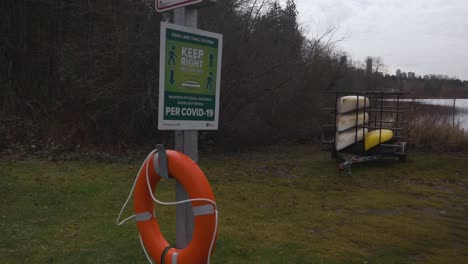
171 79
211 60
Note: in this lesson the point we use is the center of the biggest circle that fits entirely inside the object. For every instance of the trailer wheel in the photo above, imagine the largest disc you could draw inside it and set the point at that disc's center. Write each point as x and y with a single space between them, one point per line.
341 168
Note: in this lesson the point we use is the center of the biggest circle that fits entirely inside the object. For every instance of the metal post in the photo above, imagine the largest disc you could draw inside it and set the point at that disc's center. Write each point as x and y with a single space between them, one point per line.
186 141
357 116
454 112
381 116
397 132
363 123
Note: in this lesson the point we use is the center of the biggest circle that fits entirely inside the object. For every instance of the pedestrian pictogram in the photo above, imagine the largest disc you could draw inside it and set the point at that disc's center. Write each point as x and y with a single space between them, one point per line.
209 81
172 56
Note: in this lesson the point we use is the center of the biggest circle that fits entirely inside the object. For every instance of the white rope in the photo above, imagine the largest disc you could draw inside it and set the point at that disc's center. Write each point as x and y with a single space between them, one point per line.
144 250
166 203
130 194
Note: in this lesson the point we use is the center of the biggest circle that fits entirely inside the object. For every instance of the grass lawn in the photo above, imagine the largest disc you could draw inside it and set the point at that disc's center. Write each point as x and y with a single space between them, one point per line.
277 205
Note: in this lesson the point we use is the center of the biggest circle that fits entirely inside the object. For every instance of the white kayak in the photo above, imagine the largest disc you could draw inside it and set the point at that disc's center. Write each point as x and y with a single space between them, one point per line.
348 137
350 103
345 121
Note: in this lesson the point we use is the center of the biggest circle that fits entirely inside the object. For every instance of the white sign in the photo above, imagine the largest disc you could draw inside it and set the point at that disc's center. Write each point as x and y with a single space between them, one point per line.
165 5
189 78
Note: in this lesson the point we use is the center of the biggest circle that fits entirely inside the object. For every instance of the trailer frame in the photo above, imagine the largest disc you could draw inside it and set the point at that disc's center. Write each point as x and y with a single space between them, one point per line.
385 105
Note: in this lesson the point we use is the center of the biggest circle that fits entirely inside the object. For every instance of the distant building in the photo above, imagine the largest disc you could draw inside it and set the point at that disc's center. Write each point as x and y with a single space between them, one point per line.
398 73
411 75
369 65
404 75
344 60
379 73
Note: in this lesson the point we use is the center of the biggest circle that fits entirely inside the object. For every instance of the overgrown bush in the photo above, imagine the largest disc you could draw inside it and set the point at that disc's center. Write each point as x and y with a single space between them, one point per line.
431 128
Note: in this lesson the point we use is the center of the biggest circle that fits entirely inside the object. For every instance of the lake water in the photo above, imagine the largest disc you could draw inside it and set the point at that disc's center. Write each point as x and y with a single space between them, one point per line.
460 104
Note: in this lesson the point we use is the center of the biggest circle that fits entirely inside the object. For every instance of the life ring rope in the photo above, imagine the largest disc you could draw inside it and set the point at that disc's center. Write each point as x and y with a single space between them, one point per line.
130 194
197 210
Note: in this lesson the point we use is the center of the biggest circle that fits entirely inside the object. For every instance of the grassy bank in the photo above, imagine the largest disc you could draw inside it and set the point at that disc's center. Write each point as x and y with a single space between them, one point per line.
277 205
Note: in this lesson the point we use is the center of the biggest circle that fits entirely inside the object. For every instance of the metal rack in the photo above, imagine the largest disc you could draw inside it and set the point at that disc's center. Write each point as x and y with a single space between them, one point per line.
384 112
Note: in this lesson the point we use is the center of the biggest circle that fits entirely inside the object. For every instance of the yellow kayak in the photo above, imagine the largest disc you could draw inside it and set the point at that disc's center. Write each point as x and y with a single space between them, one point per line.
372 138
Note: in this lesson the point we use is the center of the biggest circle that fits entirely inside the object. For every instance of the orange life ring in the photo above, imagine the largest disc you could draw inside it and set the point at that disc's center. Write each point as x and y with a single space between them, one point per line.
190 176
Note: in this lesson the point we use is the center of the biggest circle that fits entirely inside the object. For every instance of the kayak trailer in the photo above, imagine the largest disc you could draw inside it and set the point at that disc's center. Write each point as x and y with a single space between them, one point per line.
366 126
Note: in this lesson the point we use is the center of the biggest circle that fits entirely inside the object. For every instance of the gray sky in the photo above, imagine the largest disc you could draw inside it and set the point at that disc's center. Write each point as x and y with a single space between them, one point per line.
423 36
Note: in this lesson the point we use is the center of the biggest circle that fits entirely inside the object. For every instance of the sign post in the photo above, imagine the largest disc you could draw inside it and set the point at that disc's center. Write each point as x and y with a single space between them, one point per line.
189 83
